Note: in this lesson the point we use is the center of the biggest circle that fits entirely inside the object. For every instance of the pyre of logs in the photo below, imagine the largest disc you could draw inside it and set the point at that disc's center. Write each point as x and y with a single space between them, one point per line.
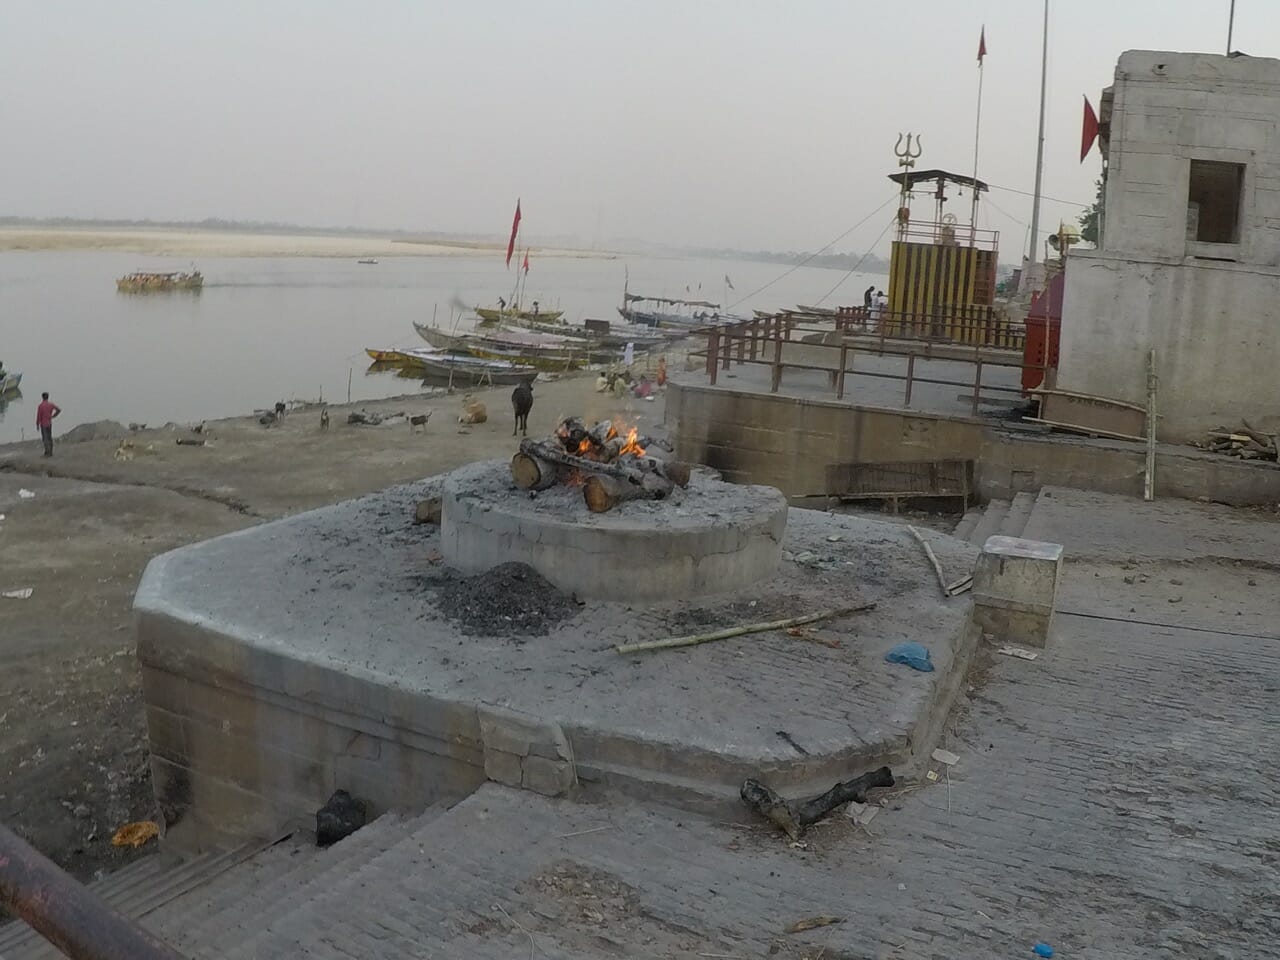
611 467
1243 442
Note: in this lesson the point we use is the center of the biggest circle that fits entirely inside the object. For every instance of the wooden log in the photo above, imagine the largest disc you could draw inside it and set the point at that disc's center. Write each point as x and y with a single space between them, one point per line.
428 511
603 493
531 472
677 471
792 817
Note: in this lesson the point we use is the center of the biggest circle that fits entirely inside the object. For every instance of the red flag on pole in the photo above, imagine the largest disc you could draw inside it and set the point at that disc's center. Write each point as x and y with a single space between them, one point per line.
982 44
1089 132
525 267
515 228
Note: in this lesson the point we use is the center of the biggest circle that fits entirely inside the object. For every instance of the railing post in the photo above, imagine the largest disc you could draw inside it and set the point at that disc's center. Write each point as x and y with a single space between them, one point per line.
911 372
844 356
977 385
777 365
728 347
755 335
740 330
713 352
70 917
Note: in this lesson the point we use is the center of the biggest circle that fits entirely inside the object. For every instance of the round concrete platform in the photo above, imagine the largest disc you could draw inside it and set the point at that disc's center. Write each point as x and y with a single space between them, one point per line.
712 537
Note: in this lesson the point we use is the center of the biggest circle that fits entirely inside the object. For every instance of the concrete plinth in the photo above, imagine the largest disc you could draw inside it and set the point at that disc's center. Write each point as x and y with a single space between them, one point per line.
288 660
1015 589
710 538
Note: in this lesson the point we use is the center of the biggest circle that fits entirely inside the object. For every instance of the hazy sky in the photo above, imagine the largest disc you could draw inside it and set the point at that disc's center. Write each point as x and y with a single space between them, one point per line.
737 123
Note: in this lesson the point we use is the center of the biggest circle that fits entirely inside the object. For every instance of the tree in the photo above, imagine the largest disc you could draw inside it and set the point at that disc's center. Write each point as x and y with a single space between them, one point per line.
1091 218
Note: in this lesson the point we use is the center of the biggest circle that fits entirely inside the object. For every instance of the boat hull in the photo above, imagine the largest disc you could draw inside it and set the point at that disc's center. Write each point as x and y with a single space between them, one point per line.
493 315
9 383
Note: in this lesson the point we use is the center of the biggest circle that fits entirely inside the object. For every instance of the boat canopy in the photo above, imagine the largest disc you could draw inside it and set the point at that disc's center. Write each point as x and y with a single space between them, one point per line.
636 298
913 177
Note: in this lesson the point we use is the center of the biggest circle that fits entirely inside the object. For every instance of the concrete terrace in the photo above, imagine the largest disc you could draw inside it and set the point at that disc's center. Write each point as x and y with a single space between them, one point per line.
1113 798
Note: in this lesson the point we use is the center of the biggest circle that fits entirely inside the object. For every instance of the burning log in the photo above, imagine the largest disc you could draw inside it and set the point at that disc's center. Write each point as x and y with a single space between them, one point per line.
532 472
792 817
602 493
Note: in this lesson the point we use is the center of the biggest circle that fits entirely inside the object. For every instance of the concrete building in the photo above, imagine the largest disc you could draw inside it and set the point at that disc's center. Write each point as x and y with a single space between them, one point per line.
1189 263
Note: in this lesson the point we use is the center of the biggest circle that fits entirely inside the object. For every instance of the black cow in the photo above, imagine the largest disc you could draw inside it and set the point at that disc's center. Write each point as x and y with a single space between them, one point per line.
522 403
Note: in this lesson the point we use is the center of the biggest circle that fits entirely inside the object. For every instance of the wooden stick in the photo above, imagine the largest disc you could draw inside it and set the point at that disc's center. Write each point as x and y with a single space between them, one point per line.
1149 474
933 559
603 493
725 634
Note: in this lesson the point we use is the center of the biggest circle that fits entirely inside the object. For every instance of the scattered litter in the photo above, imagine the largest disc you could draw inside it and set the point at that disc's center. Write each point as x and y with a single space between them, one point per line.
135 834
902 886
1042 950
1175 599
22 594
913 654
26 494
834 538
946 756
812 923
932 776
1 516
863 813
1018 652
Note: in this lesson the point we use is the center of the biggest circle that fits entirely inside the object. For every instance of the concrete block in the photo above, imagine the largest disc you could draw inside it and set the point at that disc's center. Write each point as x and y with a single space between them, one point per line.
1015 589
518 733
552 778
504 768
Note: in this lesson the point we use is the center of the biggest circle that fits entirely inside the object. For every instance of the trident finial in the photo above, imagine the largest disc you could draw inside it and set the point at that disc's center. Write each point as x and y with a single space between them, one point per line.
906 156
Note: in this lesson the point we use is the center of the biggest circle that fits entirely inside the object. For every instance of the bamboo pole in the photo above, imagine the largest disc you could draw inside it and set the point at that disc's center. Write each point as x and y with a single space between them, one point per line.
933 559
1149 475
725 634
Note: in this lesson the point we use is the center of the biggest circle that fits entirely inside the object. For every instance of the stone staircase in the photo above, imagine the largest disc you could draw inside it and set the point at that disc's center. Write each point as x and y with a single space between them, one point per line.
998 518
201 905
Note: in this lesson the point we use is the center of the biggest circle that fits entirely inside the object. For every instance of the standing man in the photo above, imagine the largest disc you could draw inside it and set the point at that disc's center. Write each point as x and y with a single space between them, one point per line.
45 413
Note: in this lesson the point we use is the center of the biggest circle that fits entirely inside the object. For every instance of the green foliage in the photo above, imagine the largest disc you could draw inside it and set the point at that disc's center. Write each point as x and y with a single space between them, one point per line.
1090 218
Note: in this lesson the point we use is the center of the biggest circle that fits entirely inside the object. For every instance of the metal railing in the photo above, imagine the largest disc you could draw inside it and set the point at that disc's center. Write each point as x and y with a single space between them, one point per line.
69 916
762 341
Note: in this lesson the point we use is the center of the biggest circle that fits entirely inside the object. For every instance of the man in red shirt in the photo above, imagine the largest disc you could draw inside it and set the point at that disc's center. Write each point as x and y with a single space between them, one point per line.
45 413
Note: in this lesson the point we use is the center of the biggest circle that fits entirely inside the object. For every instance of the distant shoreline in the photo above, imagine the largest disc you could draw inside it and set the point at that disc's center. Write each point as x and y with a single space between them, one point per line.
190 243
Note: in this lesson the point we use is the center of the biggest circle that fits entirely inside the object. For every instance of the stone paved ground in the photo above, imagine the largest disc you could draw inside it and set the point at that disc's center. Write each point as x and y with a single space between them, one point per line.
1115 798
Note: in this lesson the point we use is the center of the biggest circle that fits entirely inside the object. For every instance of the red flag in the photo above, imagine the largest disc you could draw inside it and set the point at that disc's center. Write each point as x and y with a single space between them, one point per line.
515 228
982 44
525 268
1089 132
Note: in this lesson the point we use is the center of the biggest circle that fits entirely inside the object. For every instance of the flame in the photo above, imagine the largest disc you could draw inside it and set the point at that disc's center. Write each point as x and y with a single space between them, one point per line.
584 447
632 445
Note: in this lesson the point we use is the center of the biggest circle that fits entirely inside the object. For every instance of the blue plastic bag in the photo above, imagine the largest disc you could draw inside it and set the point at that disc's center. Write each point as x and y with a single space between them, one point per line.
914 655
1042 950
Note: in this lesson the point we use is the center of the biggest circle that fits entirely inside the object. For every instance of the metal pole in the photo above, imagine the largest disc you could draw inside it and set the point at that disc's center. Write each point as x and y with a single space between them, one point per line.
70 917
1149 479
977 129
1044 76
1231 26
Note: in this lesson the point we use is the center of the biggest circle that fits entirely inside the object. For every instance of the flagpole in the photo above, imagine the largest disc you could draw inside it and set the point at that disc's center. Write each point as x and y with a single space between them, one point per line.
977 130
1231 25
1035 203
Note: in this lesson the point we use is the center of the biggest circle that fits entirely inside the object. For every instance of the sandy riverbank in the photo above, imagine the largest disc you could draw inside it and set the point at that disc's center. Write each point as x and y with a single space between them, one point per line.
217 243
73 759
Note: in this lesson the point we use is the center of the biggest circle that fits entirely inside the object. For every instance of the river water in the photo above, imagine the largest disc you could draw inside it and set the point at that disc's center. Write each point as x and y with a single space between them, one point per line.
268 329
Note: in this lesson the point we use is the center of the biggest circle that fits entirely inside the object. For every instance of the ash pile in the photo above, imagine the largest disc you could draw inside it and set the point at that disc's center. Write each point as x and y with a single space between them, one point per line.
609 465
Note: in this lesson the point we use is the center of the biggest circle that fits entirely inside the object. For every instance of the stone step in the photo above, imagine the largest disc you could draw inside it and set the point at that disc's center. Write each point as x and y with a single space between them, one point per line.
989 524
134 891
970 520
1015 520
255 908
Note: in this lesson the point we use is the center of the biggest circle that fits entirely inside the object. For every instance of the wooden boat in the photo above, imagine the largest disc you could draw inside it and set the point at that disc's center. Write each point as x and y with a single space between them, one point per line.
544 351
448 365
816 311
140 282
496 314
697 318
9 383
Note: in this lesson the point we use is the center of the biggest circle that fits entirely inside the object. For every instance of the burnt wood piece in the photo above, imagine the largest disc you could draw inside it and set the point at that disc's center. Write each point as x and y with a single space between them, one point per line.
793 816
531 472
602 493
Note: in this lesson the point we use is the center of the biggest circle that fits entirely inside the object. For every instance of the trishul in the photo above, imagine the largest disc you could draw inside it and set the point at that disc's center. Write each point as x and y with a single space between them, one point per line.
906 160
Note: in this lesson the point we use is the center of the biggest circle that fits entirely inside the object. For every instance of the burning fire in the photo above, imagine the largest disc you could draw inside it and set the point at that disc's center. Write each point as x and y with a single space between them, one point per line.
632 445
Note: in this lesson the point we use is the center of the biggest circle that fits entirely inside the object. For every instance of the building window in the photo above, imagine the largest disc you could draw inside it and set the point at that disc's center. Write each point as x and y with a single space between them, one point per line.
1213 201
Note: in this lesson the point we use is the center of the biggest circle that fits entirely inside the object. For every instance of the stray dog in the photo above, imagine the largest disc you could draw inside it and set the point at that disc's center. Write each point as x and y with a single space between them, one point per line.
124 452
522 403
473 411
280 409
324 419
419 421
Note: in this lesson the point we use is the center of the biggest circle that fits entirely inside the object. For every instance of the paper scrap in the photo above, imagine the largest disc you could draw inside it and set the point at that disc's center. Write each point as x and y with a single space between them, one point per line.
22 594
26 494
1018 652
946 756
932 776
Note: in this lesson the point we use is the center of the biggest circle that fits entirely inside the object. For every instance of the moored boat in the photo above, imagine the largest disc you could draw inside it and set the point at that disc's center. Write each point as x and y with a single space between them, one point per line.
496 314
544 351
446 364
142 282
9 382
